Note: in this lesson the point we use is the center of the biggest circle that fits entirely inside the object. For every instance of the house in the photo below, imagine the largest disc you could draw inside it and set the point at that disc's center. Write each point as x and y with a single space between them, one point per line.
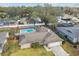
38 20
23 20
75 19
7 22
45 37
68 19
66 25
3 40
64 19
71 33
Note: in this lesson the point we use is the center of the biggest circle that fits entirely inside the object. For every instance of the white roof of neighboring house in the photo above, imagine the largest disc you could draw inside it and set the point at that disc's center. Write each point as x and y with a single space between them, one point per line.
66 16
75 19
38 19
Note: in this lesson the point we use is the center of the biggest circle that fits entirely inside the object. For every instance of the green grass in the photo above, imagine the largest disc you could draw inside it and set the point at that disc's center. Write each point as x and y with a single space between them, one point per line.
69 49
0 54
9 30
12 49
32 52
4 30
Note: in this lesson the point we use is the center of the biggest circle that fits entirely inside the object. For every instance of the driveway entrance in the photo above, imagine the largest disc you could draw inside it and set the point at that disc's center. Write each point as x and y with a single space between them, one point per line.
59 51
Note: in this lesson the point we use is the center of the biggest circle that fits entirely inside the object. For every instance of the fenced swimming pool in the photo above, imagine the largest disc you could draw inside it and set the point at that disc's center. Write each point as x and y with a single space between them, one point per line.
27 30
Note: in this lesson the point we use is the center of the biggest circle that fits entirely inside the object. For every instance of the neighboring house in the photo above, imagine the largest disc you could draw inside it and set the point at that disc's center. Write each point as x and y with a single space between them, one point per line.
23 20
64 19
67 19
37 20
71 33
47 38
3 40
75 19
66 25
1 23
7 22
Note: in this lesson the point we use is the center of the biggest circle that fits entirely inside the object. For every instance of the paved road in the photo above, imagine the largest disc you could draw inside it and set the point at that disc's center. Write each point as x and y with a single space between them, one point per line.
59 51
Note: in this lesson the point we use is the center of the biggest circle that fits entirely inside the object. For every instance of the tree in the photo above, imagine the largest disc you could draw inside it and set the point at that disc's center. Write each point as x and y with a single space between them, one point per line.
2 15
34 15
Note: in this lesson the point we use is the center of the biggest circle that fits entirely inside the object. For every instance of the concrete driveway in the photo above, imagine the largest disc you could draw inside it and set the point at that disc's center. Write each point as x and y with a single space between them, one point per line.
59 51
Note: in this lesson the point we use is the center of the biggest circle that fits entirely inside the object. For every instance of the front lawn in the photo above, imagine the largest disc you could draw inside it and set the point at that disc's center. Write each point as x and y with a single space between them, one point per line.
69 49
35 50
32 52
12 49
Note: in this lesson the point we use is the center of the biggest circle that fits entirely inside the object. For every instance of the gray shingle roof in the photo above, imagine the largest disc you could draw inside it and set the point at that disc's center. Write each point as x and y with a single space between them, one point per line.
73 30
32 37
39 36
3 37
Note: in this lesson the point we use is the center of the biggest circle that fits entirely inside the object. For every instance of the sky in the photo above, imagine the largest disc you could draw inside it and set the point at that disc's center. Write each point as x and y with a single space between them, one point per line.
66 4
17 4
35 4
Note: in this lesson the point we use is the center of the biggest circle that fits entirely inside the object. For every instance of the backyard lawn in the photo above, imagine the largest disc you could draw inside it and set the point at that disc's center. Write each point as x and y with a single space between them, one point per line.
32 52
69 49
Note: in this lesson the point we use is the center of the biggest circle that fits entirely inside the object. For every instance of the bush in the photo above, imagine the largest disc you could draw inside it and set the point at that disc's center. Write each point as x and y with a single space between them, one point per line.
36 45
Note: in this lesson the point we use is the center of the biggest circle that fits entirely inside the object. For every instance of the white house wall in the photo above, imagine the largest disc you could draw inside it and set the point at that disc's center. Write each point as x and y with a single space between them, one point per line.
27 45
54 44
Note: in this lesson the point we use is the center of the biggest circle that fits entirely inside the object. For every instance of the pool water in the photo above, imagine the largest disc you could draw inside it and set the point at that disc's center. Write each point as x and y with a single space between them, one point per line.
27 30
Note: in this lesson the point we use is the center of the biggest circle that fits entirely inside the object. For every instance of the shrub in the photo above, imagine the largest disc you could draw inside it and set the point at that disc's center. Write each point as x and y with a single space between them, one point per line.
36 45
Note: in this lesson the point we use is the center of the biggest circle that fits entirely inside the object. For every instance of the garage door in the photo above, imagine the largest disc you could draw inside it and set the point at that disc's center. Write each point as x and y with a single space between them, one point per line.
54 44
